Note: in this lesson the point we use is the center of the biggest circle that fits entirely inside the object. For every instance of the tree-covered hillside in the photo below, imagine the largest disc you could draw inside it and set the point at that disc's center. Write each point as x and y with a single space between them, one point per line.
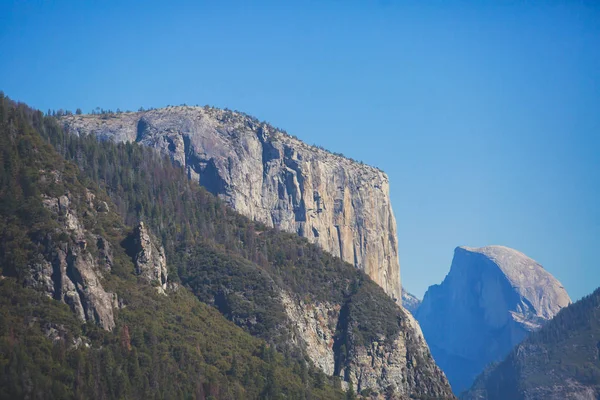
160 347
237 266
191 222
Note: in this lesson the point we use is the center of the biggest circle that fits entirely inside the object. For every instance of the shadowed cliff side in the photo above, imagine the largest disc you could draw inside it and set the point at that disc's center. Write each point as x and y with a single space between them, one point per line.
491 299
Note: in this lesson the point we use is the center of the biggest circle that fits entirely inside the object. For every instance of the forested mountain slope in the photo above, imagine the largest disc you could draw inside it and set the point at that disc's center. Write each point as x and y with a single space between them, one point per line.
311 307
63 247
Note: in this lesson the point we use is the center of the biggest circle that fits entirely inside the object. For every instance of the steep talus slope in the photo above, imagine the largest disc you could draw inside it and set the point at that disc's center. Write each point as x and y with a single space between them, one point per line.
243 269
561 361
271 177
491 299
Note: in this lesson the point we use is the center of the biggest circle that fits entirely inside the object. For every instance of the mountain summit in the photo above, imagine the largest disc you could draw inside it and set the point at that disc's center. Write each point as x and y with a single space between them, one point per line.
491 299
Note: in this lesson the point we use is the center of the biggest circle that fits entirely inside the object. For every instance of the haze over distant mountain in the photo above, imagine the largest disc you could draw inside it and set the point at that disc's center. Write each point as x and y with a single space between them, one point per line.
410 302
491 299
559 362
271 177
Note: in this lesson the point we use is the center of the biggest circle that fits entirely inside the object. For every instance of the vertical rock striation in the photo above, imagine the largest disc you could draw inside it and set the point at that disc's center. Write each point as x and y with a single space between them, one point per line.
149 258
399 366
269 176
68 271
491 299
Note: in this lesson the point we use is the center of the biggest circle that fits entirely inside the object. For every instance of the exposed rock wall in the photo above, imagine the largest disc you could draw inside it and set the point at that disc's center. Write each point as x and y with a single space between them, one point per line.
390 368
315 325
71 268
342 205
149 258
491 299
68 271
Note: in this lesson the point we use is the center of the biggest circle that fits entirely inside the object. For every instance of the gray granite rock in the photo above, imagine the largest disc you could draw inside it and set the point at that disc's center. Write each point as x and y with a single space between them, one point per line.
68 271
149 258
490 300
388 368
269 176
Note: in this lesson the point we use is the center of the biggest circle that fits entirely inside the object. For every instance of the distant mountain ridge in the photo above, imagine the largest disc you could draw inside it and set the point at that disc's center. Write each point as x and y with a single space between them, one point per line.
410 302
491 299
561 361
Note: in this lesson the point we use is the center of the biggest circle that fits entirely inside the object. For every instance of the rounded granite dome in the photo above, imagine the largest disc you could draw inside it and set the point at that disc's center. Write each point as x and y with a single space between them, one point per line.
527 277
491 299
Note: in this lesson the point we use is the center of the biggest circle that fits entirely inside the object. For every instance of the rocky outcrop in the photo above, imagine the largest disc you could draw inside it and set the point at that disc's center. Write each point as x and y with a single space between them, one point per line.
315 326
410 302
269 176
491 299
404 367
149 258
68 271
399 367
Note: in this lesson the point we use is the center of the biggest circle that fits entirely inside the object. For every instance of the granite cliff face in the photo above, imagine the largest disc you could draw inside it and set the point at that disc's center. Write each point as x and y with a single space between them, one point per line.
271 177
491 299
66 214
348 327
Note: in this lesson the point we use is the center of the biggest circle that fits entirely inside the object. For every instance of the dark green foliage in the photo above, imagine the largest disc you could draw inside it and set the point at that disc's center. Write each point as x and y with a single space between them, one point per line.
162 347
23 156
564 350
239 289
370 317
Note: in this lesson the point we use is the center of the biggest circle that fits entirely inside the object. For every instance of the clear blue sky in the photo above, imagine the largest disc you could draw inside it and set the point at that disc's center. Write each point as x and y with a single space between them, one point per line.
485 116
